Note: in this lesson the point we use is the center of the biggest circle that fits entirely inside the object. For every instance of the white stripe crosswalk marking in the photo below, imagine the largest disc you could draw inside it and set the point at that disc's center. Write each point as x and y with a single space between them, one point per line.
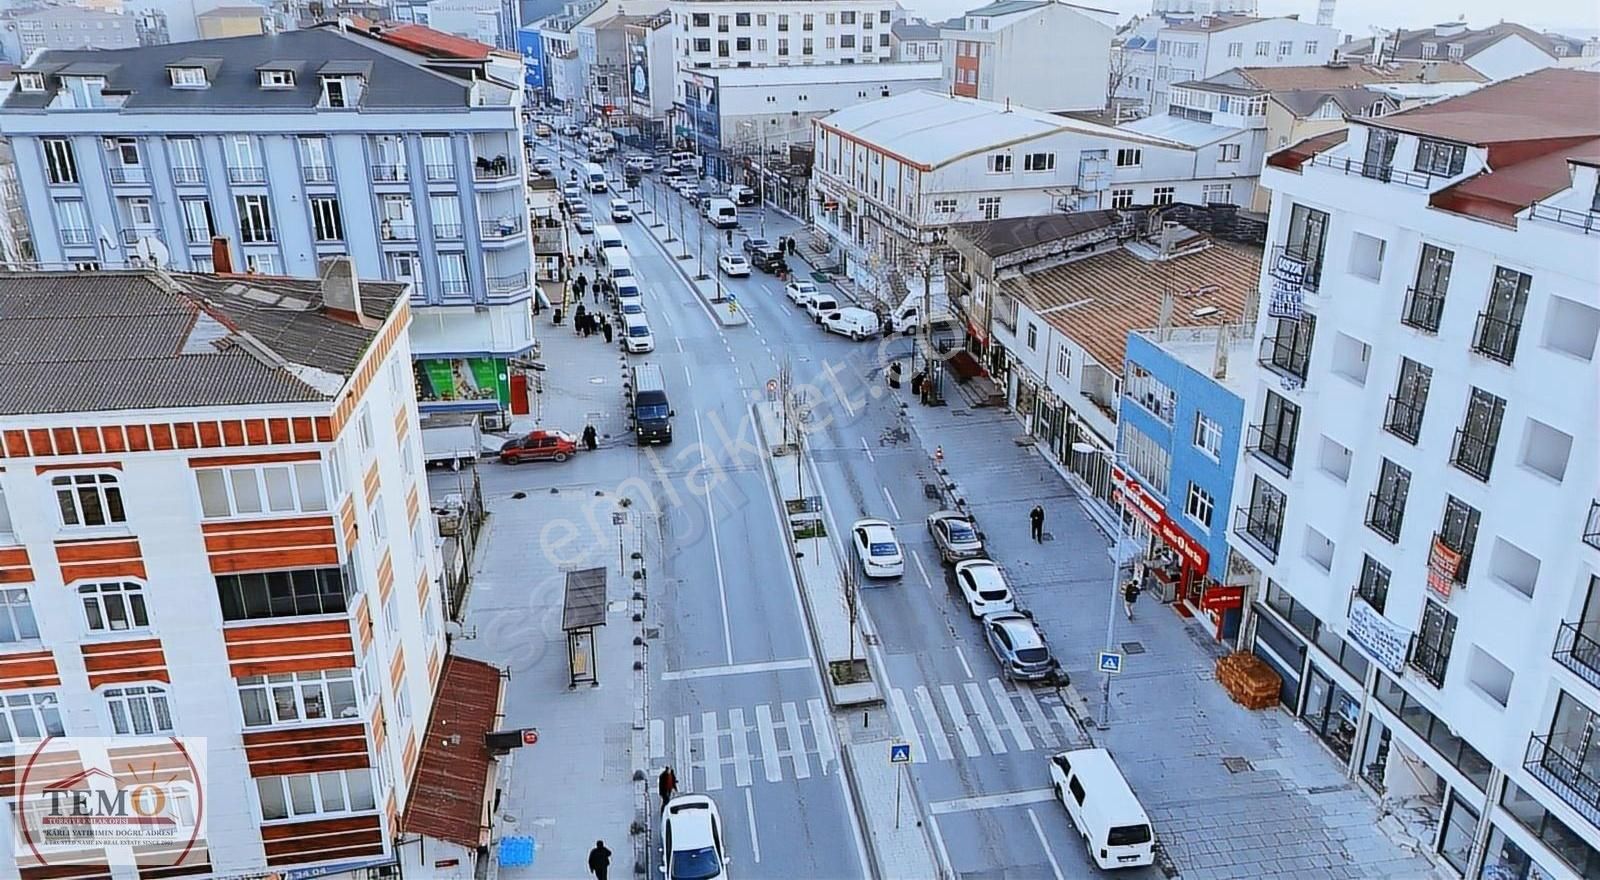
980 707
1041 724
822 734
741 748
797 743
710 736
658 739
680 747
958 717
1059 713
930 716
769 743
908 725
1008 714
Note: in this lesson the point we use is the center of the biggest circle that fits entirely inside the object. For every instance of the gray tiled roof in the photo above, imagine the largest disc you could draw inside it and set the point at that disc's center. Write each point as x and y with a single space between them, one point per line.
393 83
99 341
1000 237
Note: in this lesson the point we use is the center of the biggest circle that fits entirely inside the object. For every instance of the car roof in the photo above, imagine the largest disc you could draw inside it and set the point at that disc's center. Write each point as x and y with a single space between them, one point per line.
876 529
1023 633
690 816
982 569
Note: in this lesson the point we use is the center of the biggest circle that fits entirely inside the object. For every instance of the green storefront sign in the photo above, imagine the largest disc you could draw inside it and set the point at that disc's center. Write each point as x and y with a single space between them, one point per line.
459 380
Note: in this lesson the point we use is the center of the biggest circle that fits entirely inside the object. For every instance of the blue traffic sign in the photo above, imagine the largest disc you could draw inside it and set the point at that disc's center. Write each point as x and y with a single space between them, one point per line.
899 753
1110 662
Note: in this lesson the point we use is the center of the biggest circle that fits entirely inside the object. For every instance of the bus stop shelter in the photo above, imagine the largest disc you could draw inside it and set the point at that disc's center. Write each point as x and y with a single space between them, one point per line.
583 609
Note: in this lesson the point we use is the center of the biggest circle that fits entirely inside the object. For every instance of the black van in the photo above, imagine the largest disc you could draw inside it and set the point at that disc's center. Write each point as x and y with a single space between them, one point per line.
652 413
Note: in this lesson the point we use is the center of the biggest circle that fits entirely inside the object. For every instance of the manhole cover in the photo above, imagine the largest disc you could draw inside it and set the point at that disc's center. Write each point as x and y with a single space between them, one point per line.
597 380
1237 765
1133 647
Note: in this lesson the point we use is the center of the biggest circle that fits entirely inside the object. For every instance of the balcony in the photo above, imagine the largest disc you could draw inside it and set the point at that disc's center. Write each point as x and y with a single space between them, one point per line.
437 172
247 174
498 168
397 231
128 174
70 236
508 283
1384 516
1285 358
1496 338
1565 775
1472 454
1587 221
389 173
1423 309
1430 662
258 236
1403 419
1380 173
447 231
317 173
133 236
495 230
1578 652
1591 526
1276 451
1261 527
188 174
454 288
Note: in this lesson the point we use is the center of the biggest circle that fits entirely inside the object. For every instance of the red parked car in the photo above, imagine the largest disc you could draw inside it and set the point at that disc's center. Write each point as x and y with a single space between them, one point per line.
539 446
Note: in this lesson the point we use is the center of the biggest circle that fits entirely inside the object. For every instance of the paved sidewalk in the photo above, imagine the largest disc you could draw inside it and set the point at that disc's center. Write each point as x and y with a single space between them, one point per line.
582 382
1292 813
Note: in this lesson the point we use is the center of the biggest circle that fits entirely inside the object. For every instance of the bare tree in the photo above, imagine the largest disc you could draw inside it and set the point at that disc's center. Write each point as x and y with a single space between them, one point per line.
847 582
1117 75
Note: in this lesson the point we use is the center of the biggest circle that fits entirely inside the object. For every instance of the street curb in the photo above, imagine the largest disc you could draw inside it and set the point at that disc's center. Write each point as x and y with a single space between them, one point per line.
723 318
848 768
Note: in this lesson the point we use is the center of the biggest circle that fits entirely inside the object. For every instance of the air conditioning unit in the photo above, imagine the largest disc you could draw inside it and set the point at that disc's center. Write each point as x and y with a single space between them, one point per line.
494 422
109 143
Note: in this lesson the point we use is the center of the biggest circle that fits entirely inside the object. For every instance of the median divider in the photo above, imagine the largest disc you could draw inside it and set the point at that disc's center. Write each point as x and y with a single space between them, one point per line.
727 313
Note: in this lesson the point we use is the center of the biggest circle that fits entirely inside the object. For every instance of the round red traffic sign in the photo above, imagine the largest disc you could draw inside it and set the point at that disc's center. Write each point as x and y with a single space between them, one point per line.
530 736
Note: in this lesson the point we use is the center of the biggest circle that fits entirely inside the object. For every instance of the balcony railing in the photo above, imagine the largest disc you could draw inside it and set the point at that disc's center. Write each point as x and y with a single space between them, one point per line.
499 229
76 236
1261 528
1276 450
1496 338
1430 661
182 174
1591 526
389 173
258 236
1287 262
317 173
498 168
508 283
1473 454
1403 419
447 231
247 174
454 288
132 236
129 174
1565 775
197 236
1464 565
1283 356
1588 221
438 172
1384 516
397 231
1382 173
1423 309
1578 652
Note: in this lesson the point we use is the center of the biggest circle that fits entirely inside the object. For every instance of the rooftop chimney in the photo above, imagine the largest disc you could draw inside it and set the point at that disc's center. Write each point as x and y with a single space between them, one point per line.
341 292
221 256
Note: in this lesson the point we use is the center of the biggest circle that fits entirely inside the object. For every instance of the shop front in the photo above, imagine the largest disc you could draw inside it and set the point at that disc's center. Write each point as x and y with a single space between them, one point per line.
468 384
1176 564
1331 712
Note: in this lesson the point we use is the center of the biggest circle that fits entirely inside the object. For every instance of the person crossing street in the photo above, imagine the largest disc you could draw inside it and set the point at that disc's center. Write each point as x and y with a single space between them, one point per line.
667 784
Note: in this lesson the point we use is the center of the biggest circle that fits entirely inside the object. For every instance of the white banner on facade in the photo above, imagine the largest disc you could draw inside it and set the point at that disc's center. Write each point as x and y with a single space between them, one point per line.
1288 276
1384 642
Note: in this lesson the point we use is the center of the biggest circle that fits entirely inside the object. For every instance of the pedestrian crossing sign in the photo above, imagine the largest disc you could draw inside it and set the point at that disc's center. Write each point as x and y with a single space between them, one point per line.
1110 662
899 753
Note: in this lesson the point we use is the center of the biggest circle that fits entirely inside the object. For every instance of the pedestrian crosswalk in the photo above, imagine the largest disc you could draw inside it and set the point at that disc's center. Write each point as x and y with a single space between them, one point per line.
795 740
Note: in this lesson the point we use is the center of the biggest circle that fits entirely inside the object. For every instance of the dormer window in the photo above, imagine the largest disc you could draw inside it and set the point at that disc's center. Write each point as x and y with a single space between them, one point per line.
30 82
1440 158
277 79
1430 50
188 77
1457 51
341 91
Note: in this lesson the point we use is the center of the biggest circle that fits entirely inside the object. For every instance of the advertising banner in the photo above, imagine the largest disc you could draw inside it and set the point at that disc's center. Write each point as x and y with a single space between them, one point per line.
1287 298
532 49
461 380
1384 642
639 70
1443 563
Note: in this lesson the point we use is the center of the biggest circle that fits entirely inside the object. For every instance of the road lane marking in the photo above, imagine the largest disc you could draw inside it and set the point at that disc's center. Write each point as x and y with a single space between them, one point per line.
980 708
668 316
1008 714
658 739
930 716
992 801
682 748
741 747
716 547
822 732
908 725
958 718
938 842
755 842
711 737
735 669
1055 867
1041 724
688 376
797 743
868 450
679 344
890 498
926 581
769 743
962 656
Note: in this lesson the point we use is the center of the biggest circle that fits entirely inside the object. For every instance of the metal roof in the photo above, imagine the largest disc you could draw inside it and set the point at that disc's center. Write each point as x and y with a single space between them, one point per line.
446 801
1000 237
585 602
1189 132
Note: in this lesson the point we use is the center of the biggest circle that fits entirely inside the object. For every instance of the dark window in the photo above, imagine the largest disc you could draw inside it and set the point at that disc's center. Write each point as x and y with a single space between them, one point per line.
1459 532
1479 434
883 16
1378 161
722 48
59 160
1424 305
1386 507
742 44
1274 438
1458 752
1374 586
281 594
1500 322
701 19
1308 231
1568 845
1077 790
847 41
1261 523
1431 653
883 40
702 45
1404 417
1440 158
742 19
1287 350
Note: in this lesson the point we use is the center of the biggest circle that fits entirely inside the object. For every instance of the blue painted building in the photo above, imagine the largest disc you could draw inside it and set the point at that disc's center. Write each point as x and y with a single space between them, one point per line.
1180 429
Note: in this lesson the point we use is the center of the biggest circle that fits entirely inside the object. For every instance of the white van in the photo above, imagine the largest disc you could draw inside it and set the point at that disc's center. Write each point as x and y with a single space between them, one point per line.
685 160
619 264
852 322
1114 826
821 304
722 213
595 177
607 237
620 211
636 336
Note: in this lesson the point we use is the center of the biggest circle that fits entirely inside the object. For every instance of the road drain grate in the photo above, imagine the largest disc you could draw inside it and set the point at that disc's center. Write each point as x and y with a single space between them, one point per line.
1133 647
1238 765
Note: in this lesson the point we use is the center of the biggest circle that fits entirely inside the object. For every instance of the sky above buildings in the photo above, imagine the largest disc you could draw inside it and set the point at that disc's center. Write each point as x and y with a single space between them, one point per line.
1576 17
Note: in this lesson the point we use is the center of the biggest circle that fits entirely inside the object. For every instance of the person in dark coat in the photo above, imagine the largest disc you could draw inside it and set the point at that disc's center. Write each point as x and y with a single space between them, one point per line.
599 860
1036 519
580 319
894 375
589 443
605 327
1130 595
667 784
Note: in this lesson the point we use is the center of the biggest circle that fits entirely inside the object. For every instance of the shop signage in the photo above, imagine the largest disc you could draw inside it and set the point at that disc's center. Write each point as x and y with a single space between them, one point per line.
458 380
1222 599
1382 640
1132 495
327 870
1443 563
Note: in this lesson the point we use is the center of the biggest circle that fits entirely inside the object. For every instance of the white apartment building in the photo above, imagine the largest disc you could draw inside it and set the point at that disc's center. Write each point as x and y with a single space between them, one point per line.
889 174
759 33
997 53
1419 482
214 522
915 41
1204 47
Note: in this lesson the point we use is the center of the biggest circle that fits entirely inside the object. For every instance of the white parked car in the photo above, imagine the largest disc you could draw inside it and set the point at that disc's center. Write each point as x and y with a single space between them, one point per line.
800 292
620 211
821 304
734 265
692 844
984 587
878 548
852 322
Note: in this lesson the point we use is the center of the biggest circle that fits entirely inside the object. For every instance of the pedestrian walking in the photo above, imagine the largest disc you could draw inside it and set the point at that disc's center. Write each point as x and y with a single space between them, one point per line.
729 235
605 327
667 784
594 295
586 257
1036 517
599 860
589 443
1130 595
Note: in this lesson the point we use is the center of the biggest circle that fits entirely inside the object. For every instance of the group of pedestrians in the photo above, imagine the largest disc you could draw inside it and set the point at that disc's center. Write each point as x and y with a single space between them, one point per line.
587 323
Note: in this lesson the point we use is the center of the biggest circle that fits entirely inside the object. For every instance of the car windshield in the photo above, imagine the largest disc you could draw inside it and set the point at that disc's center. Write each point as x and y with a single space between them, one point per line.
992 595
1128 835
1033 655
638 330
652 411
883 548
960 531
695 864
632 308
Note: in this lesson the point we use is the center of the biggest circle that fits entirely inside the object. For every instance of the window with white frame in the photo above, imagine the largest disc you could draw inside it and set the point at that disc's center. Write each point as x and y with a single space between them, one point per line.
1311 47
1217 194
334 793
261 263
1039 162
1163 195
1151 393
1208 435
298 696
17 623
402 702
1285 47
1263 48
89 499
1122 198
944 206
999 163
1235 50
430 618
989 207
1129 157
188 77
336 468
1228 153
365 425
113 606
1064 361
380 529
1199 505
368 679
5 515
30 716
138 710
1149 458
1033 337
407 453
277 79
391 614
255 489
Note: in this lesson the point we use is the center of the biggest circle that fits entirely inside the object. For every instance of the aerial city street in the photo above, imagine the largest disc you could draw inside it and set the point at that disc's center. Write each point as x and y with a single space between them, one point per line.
827 439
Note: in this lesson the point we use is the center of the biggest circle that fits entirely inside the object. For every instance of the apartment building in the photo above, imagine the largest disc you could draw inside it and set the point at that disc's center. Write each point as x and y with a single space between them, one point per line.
997 52
72 27
214 523
650 74
1418 486
1163 53
231 21
296 148
1498 52
915 41
759 33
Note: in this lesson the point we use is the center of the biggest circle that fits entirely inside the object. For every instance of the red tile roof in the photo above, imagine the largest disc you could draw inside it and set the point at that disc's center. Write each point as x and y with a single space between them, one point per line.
1545 104
1297 154
435 44
1498 196
447 796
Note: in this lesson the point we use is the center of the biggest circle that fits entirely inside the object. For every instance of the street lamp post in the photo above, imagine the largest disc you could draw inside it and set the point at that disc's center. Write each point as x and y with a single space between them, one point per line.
1112 460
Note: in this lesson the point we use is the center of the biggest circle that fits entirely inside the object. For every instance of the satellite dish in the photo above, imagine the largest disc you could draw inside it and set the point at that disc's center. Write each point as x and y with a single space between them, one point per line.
152 251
